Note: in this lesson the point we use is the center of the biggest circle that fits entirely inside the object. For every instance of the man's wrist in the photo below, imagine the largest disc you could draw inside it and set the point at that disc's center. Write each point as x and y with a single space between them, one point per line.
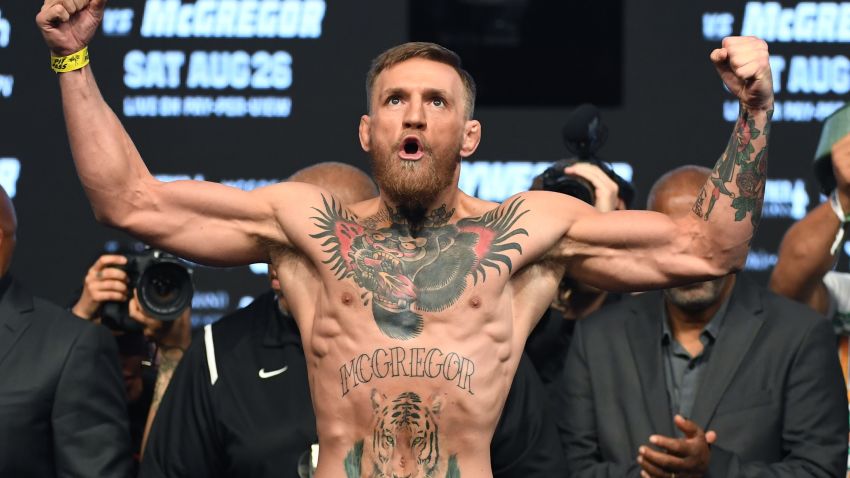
763 108
83 311
70 61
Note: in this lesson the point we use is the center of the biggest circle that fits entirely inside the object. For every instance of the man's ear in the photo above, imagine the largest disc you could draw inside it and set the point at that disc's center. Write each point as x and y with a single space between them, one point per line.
363 131
471 138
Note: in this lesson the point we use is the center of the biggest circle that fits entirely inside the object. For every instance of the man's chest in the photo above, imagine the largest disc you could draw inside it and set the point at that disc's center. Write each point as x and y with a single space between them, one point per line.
404 276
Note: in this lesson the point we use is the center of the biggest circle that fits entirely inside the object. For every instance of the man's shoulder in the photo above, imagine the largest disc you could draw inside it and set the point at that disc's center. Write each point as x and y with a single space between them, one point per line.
56 330
785 313
616 314
60 322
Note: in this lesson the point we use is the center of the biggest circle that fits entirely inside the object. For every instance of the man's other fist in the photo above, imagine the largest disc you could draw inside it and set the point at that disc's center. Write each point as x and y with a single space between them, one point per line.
68 25
744 66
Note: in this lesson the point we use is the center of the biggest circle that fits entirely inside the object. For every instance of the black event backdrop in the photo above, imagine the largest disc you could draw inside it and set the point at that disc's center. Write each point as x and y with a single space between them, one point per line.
254 90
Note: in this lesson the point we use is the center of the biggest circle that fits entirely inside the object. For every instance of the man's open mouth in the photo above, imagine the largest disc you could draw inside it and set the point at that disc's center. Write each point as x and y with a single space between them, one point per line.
411 149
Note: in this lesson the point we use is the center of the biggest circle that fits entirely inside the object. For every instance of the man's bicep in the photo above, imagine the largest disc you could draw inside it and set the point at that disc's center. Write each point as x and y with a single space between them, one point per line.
215 224
636 250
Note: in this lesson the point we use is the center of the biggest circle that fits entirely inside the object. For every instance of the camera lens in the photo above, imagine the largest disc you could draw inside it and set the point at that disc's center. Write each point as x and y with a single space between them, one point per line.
165 290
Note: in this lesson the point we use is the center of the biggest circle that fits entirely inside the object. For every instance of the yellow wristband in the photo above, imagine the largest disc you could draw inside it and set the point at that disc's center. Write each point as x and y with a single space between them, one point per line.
74 61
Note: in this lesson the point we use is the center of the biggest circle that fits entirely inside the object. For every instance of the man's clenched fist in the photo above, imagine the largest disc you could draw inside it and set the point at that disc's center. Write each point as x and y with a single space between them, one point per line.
68 25
744 65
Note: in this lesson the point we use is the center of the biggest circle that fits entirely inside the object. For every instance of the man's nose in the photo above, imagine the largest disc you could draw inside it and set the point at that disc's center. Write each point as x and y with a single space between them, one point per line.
414 116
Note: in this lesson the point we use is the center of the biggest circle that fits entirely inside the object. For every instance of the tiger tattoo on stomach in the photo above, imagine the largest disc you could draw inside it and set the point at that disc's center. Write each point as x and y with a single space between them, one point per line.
405 441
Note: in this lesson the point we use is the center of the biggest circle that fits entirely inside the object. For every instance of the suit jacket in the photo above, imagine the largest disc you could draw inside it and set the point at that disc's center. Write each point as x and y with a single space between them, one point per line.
772 390
63 410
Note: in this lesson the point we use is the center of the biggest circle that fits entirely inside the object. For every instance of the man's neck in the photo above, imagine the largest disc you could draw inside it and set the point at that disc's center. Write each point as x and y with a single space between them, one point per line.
437 213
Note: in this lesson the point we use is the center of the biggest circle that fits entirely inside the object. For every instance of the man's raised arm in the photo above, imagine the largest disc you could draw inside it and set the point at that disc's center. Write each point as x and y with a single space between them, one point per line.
205 222
731 200
630 250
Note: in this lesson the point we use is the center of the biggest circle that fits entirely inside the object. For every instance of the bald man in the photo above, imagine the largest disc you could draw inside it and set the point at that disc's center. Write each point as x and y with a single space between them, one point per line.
651 382
62 408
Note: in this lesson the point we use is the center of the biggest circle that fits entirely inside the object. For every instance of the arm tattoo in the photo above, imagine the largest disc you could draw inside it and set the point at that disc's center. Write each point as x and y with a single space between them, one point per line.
742 167
406 269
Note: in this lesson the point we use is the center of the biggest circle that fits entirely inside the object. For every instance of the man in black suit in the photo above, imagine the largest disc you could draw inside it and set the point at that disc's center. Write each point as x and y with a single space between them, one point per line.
62 407
720 378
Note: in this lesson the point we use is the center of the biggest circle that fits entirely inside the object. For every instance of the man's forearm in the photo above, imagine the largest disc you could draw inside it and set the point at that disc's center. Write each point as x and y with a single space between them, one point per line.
730 202
107 162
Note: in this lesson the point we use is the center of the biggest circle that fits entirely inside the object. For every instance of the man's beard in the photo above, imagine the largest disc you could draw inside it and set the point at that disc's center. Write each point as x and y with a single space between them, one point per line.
413 186
696 297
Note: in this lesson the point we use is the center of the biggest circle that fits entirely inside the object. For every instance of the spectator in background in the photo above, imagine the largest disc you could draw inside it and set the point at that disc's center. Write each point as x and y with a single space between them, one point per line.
239 404
550 339
808 254
106 281
62 408
741 369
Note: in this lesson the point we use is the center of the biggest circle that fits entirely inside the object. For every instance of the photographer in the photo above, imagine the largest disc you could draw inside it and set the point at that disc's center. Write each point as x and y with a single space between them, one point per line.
590 179
106 299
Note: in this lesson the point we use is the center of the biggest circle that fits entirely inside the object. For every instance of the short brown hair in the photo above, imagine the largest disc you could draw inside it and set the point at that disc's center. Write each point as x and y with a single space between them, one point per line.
428 51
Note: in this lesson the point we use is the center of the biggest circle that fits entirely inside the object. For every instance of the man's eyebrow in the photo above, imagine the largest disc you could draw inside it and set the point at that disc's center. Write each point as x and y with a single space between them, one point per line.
436 92
394 92
429 92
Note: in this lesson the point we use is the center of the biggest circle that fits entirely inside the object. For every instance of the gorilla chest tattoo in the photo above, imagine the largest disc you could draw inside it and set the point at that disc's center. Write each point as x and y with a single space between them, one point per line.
405 271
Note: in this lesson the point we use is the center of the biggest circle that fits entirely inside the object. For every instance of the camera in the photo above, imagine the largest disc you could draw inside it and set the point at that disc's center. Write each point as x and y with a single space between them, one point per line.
163 286
584 134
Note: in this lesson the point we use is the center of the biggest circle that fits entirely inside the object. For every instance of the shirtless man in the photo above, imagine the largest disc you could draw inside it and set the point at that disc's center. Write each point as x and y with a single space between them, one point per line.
414 307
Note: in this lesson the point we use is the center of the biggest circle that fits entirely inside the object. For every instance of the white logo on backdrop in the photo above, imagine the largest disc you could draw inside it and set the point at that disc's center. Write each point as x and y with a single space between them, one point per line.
10 170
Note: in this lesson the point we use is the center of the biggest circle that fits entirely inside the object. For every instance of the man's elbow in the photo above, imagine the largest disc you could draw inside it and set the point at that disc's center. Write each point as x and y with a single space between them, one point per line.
107 217
721 262
120 210
729 264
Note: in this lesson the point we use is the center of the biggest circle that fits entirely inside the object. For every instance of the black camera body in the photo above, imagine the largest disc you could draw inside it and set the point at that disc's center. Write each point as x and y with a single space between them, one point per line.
556 180
163 284
584 133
